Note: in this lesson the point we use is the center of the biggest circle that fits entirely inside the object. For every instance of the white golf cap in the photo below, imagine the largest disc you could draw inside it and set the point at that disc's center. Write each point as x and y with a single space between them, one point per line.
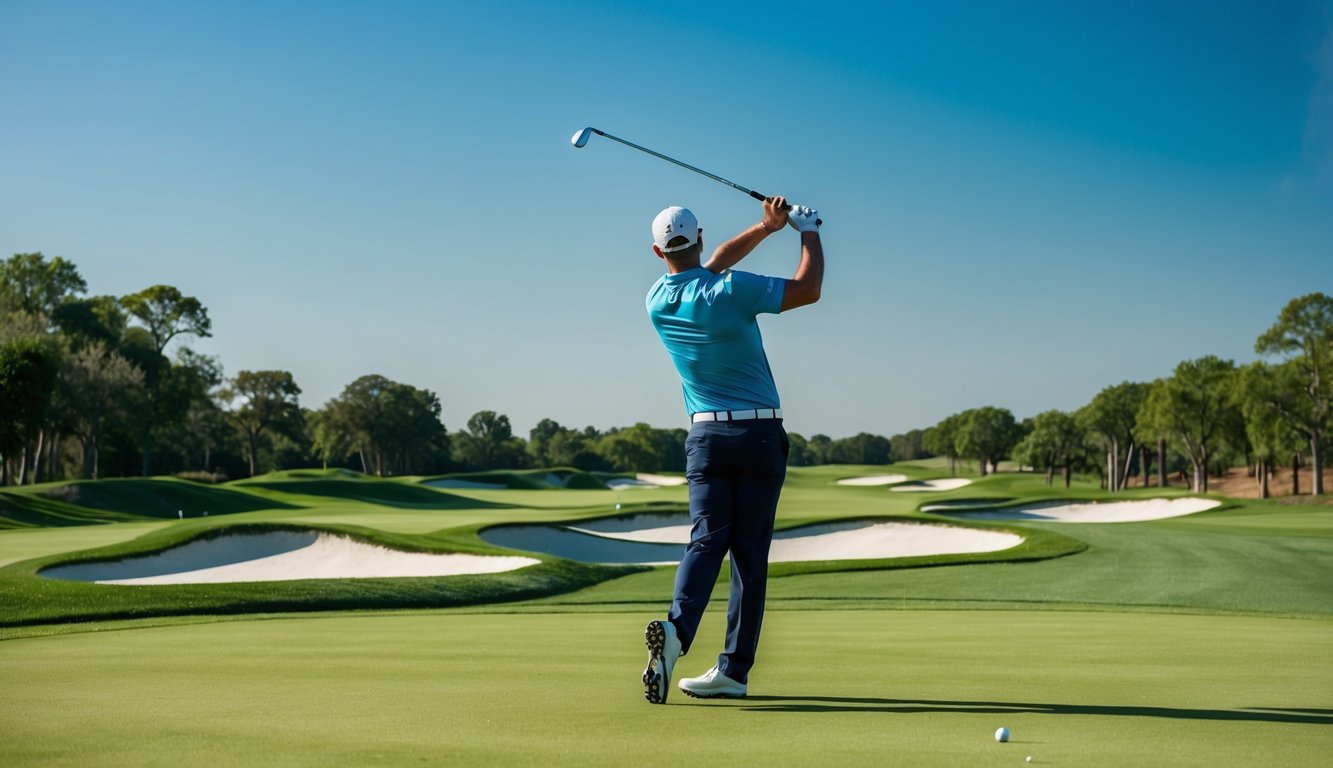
675 222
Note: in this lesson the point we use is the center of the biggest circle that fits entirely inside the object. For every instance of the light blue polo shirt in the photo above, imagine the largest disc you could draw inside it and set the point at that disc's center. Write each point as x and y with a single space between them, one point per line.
708 323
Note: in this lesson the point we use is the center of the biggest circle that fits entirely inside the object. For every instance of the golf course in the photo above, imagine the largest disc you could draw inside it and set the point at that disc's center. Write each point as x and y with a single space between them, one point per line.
1195 639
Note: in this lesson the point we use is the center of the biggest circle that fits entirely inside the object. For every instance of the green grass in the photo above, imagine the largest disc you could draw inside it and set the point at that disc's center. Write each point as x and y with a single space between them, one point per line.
922 688
1201 640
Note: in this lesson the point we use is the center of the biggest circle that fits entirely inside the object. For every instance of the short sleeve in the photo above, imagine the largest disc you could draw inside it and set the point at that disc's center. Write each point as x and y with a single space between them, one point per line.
758 294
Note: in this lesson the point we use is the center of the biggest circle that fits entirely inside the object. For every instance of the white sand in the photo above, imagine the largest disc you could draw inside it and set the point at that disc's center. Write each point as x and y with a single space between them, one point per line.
1092 512
947 484
644 480
873 480
854 540
281 556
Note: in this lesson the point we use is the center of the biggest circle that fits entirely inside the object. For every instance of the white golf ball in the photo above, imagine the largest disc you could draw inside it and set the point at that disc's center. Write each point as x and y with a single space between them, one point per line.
1002 735
1028 759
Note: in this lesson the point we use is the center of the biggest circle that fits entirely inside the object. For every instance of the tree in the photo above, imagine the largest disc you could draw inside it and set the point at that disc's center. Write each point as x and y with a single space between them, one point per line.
799 455
942 440
1303 334
166 314
539 442
30 285
908 446
28 373
1052 443
488 443
264 402
863 448
1193 406
1271 437
818 448
1112 416
96 387
1150 426
986 434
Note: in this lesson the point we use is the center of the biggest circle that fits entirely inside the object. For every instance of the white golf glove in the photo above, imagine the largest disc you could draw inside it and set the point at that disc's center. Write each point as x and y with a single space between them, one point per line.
803 218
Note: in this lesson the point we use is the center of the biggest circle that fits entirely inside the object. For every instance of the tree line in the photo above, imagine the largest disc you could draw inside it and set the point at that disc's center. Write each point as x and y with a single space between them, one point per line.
1209 415
97 385
94 386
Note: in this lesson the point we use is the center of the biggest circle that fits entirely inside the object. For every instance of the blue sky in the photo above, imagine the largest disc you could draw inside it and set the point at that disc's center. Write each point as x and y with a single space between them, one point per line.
1024 201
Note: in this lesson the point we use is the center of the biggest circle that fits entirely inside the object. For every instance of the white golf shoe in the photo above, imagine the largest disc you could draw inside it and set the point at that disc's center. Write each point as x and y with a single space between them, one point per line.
712 685
663 650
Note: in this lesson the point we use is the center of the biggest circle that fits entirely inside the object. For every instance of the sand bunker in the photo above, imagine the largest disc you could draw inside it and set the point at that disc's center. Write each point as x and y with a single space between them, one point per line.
873 480
281 556
948 484
644 480
660 539
1085 512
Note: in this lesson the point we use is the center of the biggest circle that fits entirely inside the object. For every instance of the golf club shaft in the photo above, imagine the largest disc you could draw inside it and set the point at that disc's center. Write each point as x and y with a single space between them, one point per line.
700 171
756 195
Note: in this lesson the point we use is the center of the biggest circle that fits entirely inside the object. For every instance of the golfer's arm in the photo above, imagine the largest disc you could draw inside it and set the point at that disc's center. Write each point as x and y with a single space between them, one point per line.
730 253
803 288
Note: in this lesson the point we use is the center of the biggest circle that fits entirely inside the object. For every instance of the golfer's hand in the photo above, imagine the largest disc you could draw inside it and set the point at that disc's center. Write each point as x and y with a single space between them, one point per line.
775 214
804 218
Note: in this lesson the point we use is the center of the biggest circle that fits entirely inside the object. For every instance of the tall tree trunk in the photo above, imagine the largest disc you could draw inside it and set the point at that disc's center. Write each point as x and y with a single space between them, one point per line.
1113 466
1050 472
1317 464
1295 474
1161 462
1128 468
1262 472
1067 473
37 455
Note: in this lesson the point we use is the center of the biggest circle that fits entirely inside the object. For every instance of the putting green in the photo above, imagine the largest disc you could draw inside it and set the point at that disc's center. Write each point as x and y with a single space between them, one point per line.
836 687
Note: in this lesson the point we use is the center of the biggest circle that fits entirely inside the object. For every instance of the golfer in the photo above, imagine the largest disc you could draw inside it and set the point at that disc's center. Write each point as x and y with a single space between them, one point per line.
736 452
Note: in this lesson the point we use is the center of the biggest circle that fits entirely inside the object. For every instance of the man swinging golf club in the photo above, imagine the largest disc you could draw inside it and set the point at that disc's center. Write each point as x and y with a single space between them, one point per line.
736 452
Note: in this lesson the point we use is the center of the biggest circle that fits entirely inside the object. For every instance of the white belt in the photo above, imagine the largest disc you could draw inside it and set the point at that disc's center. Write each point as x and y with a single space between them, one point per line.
760 413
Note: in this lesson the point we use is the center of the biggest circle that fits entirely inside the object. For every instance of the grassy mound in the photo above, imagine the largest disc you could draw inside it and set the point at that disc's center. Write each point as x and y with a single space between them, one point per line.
98 501
529 479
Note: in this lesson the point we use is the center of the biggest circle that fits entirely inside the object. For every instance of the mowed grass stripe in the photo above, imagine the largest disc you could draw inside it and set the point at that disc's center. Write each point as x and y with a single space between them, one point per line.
919 688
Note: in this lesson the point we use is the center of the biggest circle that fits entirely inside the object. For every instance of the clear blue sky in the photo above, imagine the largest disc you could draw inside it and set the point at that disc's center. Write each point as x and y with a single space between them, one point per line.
1024 201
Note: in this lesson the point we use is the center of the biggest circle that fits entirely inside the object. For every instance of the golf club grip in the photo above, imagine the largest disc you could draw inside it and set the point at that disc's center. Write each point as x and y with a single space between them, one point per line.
760 197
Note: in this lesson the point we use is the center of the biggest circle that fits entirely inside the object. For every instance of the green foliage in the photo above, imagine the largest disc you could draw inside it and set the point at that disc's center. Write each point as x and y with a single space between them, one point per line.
391 428
1304 334
1051 444
1196 408
28 373
986 434
265 402
33 286
166 313
489 443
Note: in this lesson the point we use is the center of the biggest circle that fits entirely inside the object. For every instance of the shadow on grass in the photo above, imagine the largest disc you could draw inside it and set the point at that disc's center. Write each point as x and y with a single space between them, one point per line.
1301 715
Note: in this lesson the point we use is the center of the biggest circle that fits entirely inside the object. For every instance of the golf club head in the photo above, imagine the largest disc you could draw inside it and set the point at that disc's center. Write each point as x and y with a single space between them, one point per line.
580 137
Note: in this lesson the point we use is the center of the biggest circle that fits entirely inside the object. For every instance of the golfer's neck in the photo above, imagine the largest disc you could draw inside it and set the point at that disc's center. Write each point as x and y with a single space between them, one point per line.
676 267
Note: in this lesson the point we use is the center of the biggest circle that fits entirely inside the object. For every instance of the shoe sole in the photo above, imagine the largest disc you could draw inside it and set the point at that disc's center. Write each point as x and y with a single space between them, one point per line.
654 683
694 695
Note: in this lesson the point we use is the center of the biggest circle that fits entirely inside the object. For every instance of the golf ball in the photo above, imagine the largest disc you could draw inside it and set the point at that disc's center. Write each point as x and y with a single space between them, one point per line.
1029 759
1002 735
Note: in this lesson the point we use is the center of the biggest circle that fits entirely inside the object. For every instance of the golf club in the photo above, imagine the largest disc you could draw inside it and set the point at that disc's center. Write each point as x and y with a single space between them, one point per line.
580 138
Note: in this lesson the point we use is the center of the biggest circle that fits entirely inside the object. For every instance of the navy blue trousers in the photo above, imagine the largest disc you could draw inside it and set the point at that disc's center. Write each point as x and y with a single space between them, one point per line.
735 470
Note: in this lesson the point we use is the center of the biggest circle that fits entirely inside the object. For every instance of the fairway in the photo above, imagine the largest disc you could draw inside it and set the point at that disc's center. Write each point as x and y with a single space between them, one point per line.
837 687
1197 640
